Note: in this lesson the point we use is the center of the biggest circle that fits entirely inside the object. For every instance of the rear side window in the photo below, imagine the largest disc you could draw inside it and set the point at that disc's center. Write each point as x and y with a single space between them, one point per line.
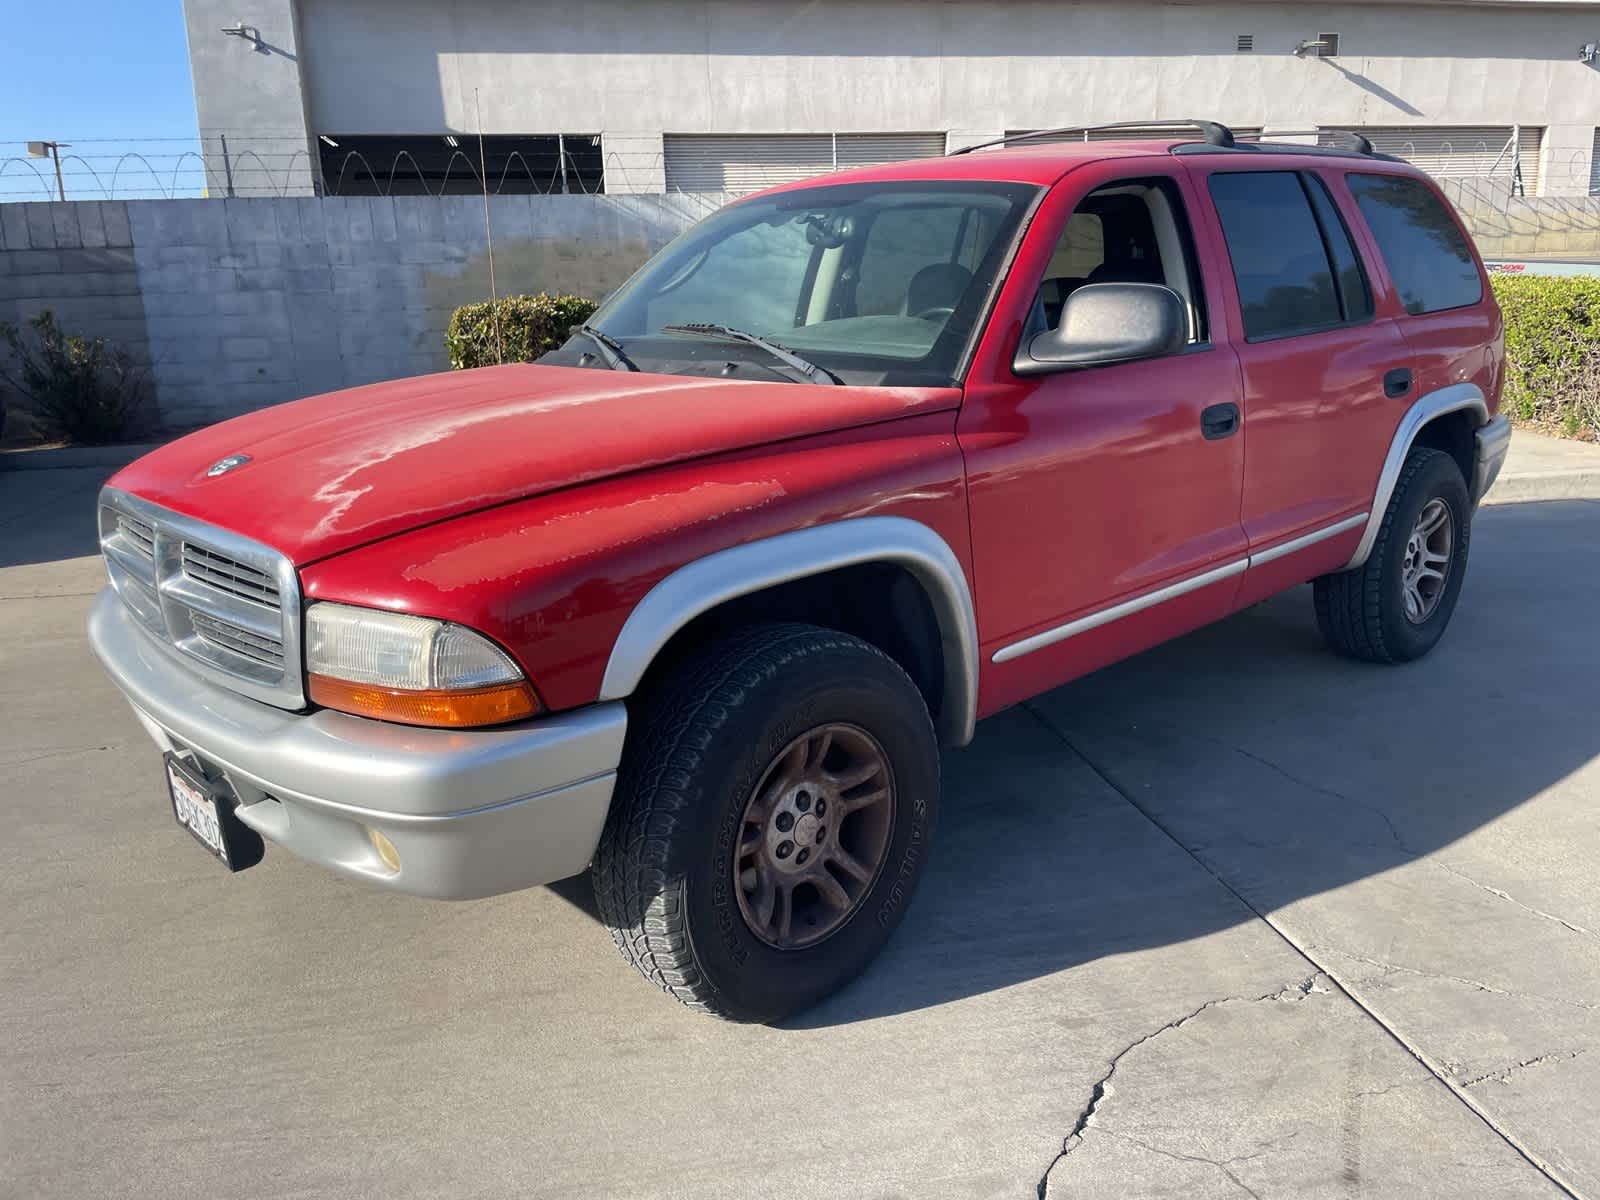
1425 250
1284 257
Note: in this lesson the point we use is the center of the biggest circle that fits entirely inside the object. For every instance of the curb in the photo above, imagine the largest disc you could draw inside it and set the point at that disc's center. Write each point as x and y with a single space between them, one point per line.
67 458
1527 486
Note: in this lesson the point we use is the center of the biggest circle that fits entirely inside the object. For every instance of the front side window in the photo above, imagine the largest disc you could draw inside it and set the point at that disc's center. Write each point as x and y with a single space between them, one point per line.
1280 262
878 283
1426 252
1131 231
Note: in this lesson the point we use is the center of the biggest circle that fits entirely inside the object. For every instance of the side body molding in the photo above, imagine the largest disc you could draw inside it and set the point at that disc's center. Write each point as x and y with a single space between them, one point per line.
707 582
1448 399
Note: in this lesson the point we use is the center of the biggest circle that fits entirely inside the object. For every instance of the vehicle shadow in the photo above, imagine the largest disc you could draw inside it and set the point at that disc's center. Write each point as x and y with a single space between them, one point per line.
1281 768
47 516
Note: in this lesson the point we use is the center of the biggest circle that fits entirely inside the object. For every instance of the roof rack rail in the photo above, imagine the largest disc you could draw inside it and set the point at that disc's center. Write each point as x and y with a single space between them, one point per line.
1215 134
1357 142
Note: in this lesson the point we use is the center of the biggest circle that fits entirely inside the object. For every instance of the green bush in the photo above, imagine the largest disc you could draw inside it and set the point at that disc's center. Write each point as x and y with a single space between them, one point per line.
1552 349
513 329
81 389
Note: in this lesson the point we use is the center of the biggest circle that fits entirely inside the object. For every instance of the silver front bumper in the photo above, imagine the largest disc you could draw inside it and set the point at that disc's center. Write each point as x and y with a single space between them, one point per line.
1490 446
471 812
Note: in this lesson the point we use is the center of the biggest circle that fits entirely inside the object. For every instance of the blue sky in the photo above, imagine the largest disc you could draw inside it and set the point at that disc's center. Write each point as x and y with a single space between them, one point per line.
99 74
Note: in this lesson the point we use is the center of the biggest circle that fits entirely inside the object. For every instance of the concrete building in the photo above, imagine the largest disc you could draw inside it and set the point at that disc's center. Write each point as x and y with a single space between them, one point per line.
362 96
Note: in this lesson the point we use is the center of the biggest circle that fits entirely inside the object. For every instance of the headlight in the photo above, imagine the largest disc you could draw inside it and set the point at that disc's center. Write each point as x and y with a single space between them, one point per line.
410 669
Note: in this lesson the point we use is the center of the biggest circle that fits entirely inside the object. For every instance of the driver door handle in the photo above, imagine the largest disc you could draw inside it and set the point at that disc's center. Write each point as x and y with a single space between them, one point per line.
1219 421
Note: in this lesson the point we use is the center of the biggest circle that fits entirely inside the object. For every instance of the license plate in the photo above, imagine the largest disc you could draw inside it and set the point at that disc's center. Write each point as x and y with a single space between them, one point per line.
206 810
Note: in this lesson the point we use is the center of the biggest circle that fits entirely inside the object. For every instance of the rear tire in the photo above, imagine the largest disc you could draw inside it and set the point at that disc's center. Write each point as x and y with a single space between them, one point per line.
1395 606
736 791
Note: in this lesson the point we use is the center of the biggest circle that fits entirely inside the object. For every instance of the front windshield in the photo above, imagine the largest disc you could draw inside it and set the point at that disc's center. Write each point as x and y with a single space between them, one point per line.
878 283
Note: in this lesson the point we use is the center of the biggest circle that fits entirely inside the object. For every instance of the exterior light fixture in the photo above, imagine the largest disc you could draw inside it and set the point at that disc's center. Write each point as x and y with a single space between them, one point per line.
51 150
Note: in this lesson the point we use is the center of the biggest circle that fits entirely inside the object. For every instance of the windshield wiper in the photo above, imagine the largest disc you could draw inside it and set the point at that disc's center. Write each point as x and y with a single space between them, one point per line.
783 354
611 352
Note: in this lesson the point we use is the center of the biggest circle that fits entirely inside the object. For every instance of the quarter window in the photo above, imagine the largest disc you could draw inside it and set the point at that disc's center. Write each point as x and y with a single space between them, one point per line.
1426 252
1280 259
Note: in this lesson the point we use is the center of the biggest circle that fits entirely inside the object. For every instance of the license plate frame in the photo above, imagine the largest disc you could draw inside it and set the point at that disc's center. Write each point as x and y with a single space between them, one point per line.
205 809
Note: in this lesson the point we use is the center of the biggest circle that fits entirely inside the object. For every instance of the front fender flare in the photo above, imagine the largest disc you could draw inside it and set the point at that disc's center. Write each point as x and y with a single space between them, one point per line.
702 585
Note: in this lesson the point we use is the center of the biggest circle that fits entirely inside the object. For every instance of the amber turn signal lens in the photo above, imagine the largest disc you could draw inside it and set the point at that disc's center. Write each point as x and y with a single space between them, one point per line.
448 709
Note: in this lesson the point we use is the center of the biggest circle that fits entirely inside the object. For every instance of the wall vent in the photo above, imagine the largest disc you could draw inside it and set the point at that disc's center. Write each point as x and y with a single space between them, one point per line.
1246 43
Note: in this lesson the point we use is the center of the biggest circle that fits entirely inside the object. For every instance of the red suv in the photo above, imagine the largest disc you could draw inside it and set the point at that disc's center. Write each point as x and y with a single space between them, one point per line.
695 601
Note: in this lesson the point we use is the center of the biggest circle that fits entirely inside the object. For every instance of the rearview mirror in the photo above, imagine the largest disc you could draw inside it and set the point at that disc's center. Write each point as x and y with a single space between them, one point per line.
1108 323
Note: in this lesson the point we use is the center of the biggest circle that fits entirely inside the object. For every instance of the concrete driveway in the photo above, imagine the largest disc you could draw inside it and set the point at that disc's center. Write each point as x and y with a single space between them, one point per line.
1233 918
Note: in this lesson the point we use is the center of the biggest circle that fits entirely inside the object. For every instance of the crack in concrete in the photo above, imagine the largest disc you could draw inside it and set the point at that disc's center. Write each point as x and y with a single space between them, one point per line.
1537 1161
63 753
1223 1165
1504 1074
1384 1091
1400 841
48 596
1510 899
1103 1088
1477 984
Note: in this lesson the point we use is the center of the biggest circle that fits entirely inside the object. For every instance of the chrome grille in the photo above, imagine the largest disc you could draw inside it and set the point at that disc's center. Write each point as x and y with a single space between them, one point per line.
267 650
229 605
140 534
229 575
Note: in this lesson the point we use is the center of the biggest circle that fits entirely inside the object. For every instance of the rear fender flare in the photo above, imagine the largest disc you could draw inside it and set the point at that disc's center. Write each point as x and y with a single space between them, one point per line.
1449 399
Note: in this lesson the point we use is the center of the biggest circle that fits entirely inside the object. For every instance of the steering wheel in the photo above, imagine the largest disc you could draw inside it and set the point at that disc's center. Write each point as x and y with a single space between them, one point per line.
939 313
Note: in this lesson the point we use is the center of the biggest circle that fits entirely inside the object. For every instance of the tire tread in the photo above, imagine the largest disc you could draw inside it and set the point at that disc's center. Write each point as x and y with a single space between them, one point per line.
675 725
1348 603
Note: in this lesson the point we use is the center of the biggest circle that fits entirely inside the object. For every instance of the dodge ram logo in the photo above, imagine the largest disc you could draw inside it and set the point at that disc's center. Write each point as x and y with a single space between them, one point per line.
223 465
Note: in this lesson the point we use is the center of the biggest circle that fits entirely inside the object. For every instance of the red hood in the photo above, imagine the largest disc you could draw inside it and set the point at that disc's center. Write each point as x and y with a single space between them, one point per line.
337 471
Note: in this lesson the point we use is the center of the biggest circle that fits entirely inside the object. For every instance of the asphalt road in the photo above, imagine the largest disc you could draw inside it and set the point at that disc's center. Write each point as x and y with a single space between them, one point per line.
1233 918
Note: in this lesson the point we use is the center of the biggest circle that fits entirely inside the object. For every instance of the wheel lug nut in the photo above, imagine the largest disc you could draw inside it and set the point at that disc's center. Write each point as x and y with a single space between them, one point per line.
802 856
802 801
822 806
785 821
821 833
785 849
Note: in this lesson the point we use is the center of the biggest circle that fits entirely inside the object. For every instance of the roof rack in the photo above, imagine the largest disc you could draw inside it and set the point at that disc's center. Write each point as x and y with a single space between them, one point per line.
1357 142
1214 133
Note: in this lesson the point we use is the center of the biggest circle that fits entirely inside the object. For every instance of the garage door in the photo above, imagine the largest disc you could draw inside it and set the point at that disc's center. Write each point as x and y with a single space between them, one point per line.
749 162
1458 151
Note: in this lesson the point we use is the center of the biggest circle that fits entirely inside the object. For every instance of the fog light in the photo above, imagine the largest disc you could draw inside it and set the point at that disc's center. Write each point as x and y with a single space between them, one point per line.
385 849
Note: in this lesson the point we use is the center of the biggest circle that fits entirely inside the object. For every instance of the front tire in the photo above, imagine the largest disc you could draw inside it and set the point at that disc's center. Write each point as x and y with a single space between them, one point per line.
773 814
1395 606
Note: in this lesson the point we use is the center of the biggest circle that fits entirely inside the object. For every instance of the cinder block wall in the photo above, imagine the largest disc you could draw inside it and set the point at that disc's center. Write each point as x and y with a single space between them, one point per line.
1507 226
237 304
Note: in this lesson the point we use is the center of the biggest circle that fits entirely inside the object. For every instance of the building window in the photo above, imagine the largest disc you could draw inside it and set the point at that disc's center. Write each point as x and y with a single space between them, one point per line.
448 164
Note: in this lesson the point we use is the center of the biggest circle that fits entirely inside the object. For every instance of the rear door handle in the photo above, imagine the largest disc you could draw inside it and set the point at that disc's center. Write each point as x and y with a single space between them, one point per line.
1219 421
1397 383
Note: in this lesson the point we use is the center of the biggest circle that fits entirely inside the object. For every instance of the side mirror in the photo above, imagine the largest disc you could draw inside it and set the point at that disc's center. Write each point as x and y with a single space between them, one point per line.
1108 323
